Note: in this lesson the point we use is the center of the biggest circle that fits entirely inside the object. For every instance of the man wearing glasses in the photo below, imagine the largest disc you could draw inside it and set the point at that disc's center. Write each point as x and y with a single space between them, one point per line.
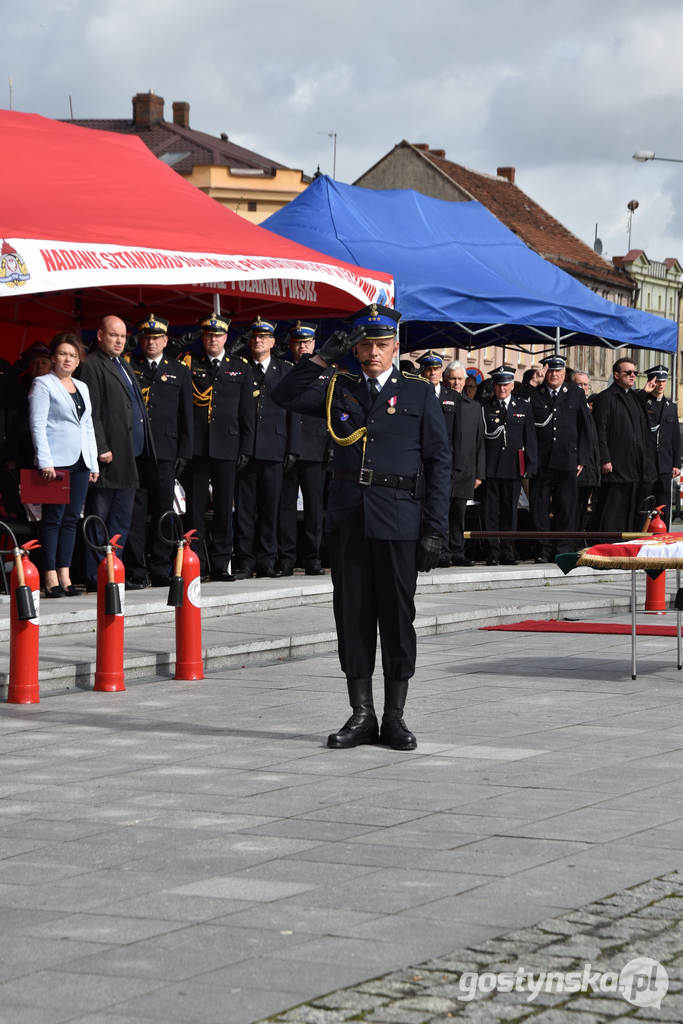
622 430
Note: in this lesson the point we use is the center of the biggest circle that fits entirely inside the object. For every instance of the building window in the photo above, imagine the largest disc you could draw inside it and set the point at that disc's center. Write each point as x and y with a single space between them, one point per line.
659 302
252 206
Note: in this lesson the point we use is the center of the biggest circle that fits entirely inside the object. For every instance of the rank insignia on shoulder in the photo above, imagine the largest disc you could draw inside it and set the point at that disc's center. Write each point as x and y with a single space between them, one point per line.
256 393
243 359
413 376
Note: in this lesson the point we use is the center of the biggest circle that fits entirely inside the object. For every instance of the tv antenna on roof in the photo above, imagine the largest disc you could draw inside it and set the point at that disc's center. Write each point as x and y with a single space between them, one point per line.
597 242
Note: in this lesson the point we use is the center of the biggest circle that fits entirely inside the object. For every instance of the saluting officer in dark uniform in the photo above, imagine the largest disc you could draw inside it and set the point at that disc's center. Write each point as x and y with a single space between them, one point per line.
223 432
273 443
511 454
431 368
663 439
305 471
167 391
563 432
387 511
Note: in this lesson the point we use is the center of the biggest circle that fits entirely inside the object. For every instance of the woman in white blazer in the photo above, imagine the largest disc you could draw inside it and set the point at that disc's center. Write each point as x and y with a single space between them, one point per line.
63 436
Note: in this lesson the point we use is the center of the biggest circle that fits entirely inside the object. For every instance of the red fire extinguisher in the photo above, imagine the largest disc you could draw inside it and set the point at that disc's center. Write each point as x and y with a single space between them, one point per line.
24 628
185 596
655 589
111 577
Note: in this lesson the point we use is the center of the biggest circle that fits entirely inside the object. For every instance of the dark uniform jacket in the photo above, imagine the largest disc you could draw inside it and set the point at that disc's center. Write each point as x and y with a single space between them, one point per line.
275 432
168 397
310 433
590 474
406 437
505 436
469 459
562 428
663 438
620 422
223 406
112 412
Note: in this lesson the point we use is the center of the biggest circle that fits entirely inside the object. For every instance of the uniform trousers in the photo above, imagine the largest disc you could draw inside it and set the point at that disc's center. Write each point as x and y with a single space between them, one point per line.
456 527
115 506
221 474
258 500
500 513
374 583
554 490
154 497
310 477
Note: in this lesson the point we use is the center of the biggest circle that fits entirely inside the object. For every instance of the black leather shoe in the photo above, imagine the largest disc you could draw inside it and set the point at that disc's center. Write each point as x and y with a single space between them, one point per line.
91 586
223 576
284 570
71 590
243 574
160 581
205 579
465 562
136 584
265 572
508 561
314 569
360 728
492 561
395 733
54 591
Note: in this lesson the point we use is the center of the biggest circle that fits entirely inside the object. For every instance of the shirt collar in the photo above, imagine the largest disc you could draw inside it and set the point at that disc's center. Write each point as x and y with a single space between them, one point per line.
382 377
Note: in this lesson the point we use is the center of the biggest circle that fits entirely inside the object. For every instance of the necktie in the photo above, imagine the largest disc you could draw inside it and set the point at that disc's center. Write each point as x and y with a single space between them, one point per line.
554 394
259 373
373 387
123 375
153 367
214 363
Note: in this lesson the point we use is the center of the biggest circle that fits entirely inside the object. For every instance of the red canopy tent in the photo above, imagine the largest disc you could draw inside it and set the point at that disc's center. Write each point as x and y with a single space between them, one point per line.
92 223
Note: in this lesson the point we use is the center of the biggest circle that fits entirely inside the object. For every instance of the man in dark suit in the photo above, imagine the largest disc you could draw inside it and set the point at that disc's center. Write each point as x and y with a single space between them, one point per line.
274 443
387 511
166 387
663 439
305 471
223 432
511 454
563 432
121 430
622 430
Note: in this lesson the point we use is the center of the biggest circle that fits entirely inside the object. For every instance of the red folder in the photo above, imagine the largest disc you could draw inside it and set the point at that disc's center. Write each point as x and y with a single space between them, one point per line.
35 490
522 461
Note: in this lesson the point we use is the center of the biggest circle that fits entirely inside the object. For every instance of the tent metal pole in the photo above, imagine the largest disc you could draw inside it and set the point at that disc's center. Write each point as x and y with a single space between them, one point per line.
557 341
216 303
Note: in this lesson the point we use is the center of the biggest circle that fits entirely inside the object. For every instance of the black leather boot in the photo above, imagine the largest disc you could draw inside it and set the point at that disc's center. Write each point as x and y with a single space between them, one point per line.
394 732
362 726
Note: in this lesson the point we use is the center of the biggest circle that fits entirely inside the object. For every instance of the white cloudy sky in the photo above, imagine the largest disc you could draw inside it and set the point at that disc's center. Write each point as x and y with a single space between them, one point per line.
564 90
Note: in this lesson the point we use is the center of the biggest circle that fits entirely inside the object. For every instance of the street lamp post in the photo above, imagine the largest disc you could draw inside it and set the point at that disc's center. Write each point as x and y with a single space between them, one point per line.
643 155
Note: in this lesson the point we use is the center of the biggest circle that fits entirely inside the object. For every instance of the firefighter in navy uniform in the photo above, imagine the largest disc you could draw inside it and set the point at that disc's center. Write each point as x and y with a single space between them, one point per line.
387 511
431 369
274 446
662 441
563 432
223 433
307 472
511 454
167 391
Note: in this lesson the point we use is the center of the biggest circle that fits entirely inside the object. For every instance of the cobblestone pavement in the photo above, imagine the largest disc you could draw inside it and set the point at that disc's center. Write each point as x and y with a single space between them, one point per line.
594 943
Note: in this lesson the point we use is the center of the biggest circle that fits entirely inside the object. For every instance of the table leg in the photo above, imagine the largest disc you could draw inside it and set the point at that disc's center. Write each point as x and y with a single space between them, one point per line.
633 623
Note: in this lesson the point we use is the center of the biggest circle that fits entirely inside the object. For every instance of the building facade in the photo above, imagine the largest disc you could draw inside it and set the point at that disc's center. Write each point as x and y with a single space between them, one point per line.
250 184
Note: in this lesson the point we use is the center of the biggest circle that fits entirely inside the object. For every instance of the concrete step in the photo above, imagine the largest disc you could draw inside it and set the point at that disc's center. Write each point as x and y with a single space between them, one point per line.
76 615
265 622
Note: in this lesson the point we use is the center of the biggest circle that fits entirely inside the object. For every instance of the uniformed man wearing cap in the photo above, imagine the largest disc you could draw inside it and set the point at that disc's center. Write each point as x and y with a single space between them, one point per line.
306 472
387 512
622 431
563 432
511 455
166 387
663 454
223 433
274 443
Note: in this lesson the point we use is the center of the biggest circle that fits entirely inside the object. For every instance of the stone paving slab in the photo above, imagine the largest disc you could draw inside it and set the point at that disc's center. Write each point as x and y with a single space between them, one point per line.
192 851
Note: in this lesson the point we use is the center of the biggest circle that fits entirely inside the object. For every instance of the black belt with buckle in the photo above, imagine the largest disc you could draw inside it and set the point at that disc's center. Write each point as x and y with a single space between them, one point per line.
371 478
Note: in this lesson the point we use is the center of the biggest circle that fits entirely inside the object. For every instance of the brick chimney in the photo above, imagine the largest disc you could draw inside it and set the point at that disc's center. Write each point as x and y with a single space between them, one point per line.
506 172
421 145
438 152
181 114
148 109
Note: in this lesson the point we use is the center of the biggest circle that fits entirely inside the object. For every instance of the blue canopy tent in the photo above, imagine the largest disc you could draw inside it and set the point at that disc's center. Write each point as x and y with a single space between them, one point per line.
461 277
